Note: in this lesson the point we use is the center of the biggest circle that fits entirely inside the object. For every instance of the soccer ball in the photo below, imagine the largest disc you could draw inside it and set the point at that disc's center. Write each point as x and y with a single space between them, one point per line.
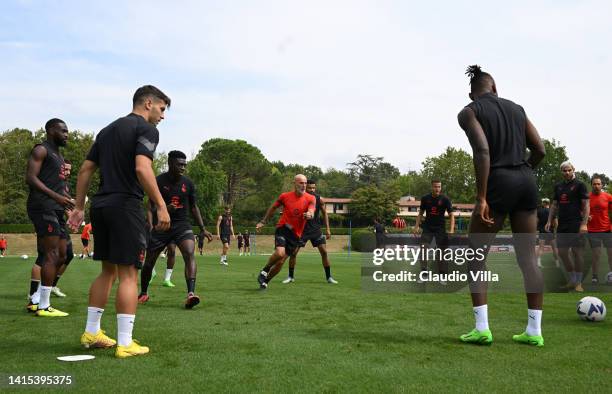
24 256
591 309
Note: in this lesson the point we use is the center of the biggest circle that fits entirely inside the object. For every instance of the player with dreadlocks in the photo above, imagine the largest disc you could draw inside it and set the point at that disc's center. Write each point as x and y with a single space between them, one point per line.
499 133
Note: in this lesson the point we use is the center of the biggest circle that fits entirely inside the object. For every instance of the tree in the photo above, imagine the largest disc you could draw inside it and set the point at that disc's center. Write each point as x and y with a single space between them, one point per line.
209 187
548 172
238 161
370 170
335 183
455 169
413 184
371 202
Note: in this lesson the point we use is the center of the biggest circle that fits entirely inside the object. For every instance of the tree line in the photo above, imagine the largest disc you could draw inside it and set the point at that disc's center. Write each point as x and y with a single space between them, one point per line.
236 173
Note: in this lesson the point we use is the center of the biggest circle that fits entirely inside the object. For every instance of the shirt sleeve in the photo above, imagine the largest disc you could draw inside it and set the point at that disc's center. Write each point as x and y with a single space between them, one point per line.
422 206
449 206
556 194
582 191
93 154
280 201
148 138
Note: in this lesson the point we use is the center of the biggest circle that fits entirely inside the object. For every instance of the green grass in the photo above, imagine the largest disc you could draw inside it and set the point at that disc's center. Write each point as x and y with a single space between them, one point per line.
307 336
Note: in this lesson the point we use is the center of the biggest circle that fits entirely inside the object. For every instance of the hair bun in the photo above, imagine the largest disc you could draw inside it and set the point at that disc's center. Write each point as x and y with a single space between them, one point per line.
473 71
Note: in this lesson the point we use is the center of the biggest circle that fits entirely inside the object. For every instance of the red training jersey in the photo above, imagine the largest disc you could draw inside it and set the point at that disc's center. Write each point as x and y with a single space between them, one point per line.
86 230
2 243
294 207
600 218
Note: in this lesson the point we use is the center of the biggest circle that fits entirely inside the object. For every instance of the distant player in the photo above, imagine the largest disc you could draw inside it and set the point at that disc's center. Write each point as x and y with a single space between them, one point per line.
123 152
200 240
240 240
599 227
247 242
312 233
435 205
178 193
225 232
499 133
47 203
571 203
3 245
544 237
85 238
379 232
298 207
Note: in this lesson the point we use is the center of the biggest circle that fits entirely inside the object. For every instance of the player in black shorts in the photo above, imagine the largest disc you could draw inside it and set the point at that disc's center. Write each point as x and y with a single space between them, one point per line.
240 240
571 204
247 242
379 233
65 257
312 233
200 243
545 237
178 193
123 152
47 203
435 205
499 133
225 232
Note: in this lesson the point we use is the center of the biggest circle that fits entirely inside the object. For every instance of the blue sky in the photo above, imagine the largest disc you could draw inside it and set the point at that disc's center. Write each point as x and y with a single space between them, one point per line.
312 82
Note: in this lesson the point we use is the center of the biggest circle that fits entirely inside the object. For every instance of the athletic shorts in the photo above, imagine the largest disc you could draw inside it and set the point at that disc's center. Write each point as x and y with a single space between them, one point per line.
41 253
120 235
2 250
315 239
428 236
85 242
287 239
512 189
240 244
380 241
200 243
49 223
597 239
568 236
247 243
225 238
178 233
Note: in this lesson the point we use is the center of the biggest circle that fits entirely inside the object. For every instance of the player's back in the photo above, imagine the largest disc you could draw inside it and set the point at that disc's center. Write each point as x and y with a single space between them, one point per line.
504 123
114 151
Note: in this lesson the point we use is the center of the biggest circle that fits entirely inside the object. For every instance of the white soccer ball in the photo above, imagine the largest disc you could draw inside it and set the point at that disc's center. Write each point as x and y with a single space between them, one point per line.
24 256
591 309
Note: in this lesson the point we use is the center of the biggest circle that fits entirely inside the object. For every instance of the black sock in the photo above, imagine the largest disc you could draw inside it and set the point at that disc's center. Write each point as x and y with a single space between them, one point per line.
191 285
266 269
145 278
57 278
291 271
34 286
327 272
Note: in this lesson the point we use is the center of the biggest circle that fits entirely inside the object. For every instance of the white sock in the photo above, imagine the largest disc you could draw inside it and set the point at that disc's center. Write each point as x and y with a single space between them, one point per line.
93 319
36 296
481 315
45 293
578 277
534 322
168 274
125 325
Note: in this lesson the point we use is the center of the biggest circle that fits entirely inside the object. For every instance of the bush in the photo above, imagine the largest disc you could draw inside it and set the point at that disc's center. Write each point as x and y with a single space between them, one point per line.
16 228
363 240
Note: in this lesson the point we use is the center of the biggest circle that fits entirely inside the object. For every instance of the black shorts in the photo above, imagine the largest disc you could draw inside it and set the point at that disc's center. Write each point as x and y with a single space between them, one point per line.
597 239
49 223
287 239
247 243
2 250
85 242
568 236
120 235
178 233
316 239
240 244
380 241
226 238
200 243
428 236
512 189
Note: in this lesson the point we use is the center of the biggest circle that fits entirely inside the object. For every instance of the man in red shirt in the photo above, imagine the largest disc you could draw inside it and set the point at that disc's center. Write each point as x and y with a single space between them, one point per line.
598 225
2 245
85 235
298 207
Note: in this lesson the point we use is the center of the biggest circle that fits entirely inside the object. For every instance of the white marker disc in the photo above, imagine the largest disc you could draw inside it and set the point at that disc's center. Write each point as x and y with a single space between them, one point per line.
81 357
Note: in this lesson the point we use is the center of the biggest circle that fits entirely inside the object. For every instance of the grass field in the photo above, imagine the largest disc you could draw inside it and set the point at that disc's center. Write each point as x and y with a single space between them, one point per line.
306 336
